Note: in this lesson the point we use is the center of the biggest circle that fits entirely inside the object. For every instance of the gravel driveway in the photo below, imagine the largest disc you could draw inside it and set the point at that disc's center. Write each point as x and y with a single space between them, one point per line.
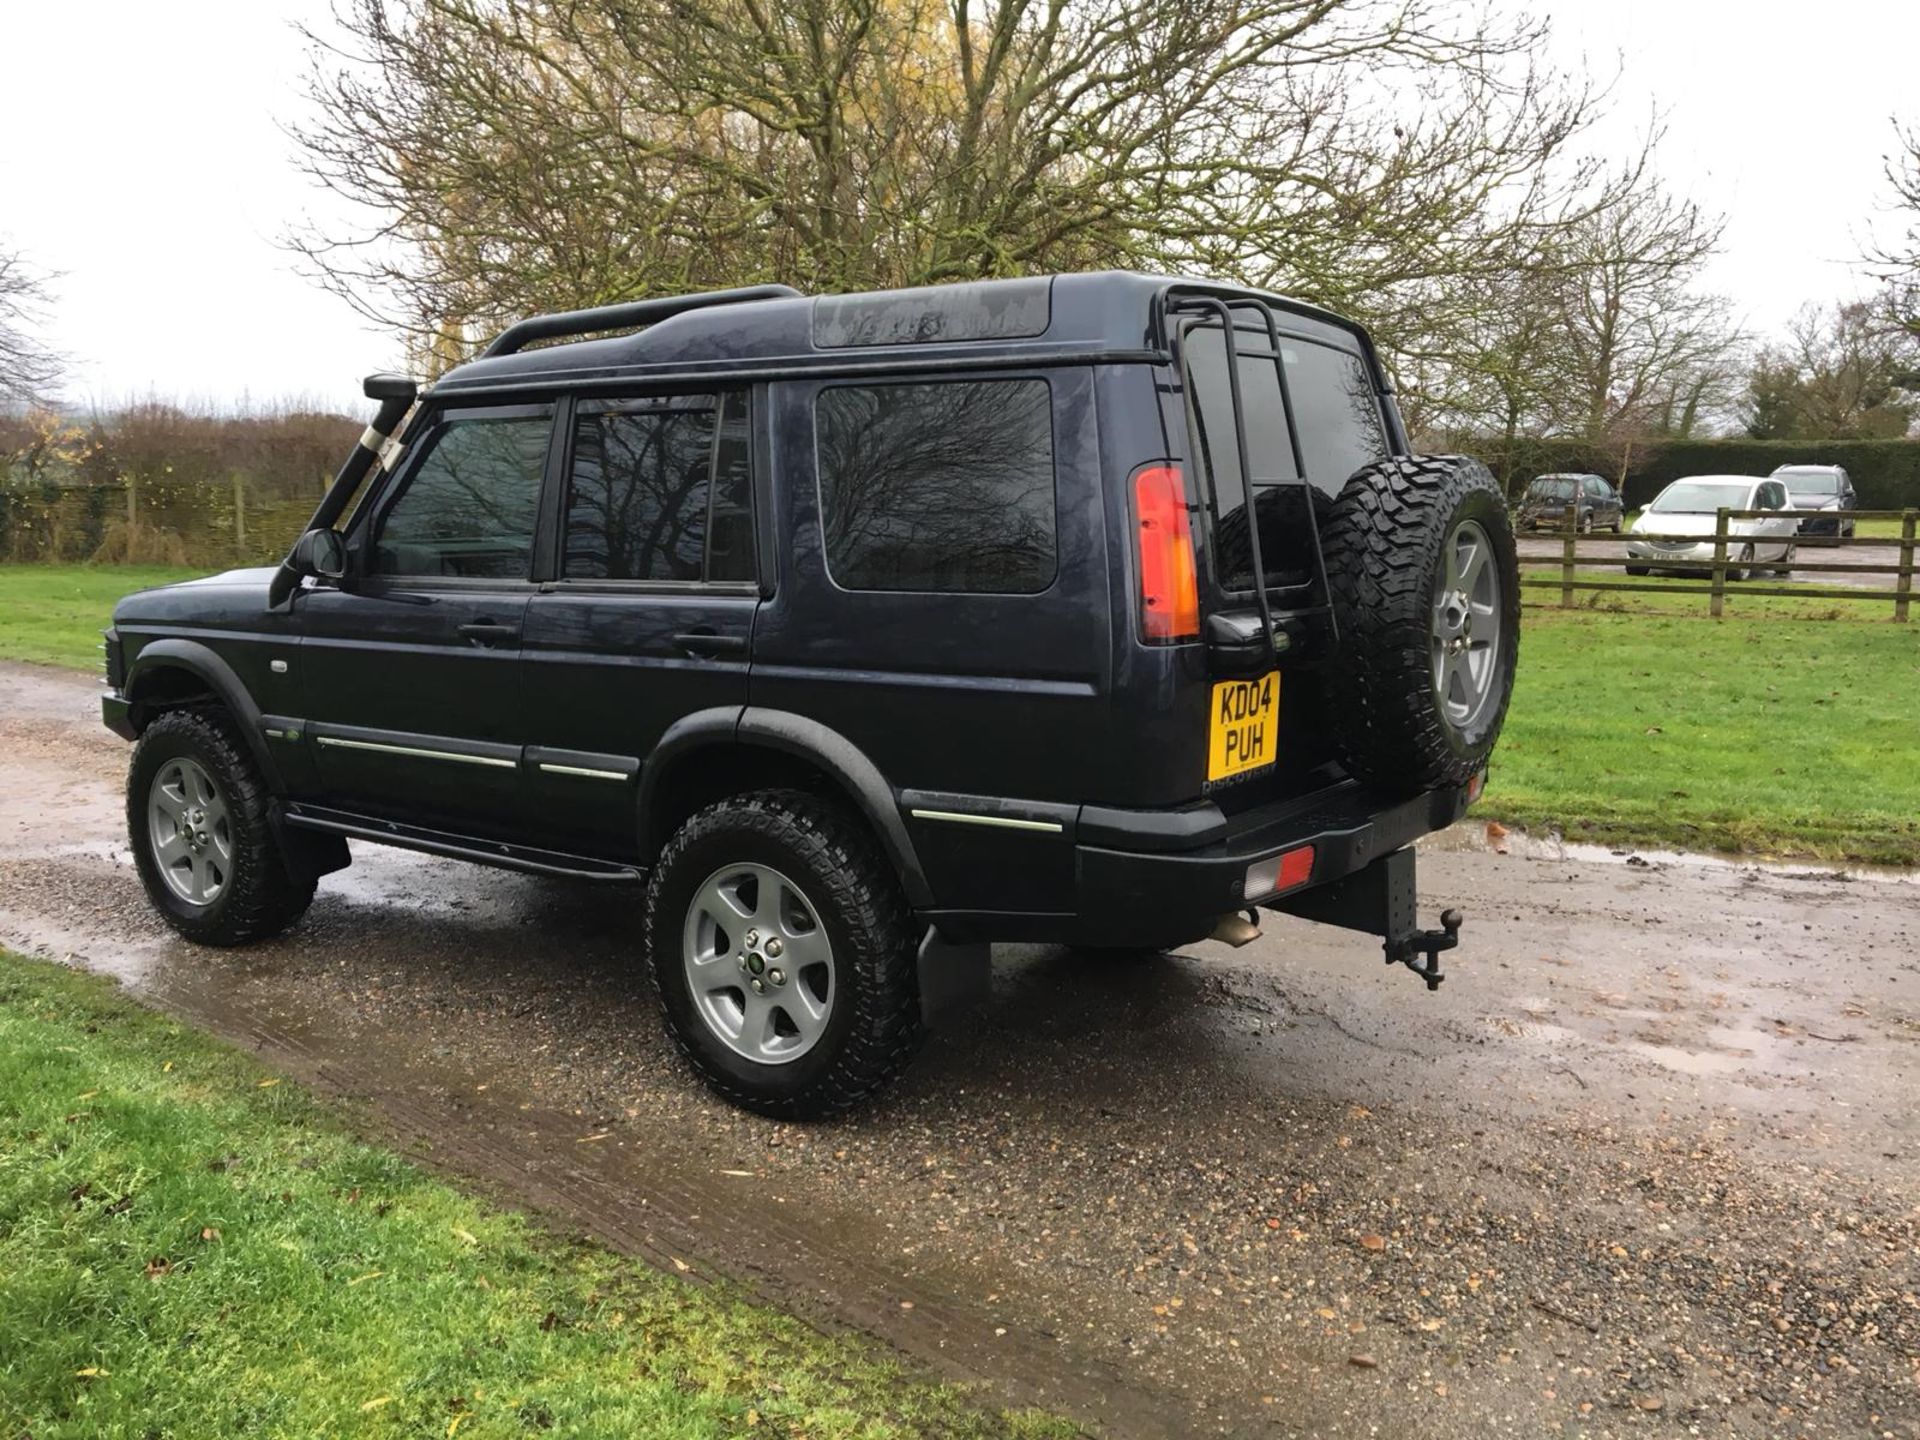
1545 549
1648 1163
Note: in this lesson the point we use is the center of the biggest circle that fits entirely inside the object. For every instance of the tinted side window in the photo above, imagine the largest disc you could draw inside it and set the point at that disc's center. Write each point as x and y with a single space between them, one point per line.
1335 409
946 486
470 504
642 497
1336 415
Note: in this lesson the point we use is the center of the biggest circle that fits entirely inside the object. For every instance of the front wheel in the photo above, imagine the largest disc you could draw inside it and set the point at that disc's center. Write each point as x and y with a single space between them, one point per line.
782 951
1637 570
202 834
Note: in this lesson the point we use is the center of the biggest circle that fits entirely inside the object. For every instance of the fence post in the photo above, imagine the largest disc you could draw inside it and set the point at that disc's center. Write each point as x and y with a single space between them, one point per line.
239 518
1567 546
1718 605
1903 584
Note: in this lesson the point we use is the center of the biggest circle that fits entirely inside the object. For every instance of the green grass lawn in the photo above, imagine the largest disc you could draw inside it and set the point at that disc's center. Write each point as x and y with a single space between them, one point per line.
53 614
1754 733
190 1247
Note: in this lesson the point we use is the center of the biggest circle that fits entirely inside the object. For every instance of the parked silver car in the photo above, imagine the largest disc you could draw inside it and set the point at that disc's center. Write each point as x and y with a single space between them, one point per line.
1664 532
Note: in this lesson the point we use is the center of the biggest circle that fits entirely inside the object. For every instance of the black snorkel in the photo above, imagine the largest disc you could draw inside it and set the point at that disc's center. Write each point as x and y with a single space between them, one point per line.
396 395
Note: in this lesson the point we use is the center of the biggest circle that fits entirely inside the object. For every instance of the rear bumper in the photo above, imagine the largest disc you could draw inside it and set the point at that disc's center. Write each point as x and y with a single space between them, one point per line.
1817 524
1149 883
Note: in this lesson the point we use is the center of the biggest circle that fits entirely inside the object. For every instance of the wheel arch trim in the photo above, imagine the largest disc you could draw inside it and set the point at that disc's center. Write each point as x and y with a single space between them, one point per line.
205 664
824 748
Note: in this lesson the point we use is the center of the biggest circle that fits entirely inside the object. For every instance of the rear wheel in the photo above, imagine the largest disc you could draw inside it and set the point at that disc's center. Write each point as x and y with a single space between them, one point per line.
1742 564
1785 568
782 951
202 834
1426 589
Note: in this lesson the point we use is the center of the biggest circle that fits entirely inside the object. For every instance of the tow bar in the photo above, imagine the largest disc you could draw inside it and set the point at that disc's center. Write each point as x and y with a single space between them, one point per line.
1381 899
1419 950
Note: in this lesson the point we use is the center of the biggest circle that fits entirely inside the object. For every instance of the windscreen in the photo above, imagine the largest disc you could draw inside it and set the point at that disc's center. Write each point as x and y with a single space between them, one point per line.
1692 497
1810 482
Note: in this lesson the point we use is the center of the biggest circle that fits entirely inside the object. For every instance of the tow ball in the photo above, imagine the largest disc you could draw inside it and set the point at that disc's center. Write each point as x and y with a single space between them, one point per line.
1381 899
1420 950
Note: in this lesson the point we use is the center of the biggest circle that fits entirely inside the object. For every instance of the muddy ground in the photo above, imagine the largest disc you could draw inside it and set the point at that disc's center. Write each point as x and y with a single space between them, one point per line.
1648 1163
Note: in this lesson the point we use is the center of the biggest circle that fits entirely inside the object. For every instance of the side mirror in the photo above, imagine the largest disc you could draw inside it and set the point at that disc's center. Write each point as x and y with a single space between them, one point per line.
390 387
320 553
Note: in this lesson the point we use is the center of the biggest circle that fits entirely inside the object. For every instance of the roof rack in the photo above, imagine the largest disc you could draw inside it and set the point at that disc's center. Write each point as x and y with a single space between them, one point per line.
522 333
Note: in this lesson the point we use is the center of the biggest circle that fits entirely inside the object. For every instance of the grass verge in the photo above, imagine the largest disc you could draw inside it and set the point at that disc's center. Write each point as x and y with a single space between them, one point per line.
53 614
1746 734
189 1246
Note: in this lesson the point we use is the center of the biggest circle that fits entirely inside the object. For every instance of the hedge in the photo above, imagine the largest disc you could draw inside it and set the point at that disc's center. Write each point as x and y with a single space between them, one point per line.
1886 473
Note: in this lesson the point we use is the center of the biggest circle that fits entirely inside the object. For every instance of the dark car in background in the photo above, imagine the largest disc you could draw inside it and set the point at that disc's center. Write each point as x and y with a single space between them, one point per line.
1823 490
1543 506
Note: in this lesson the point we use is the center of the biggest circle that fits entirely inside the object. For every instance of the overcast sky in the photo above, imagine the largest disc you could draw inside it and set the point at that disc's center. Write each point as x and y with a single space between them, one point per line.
143 159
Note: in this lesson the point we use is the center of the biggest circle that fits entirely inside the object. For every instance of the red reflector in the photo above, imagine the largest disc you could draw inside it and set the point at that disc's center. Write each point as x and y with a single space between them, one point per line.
1476 786
1296 868
1169 594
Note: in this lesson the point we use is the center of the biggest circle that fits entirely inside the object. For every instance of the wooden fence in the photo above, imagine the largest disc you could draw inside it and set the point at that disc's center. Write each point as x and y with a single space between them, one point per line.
1715 570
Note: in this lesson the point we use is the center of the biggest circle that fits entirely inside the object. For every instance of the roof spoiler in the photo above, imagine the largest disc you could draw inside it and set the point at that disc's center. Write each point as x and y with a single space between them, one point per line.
522 333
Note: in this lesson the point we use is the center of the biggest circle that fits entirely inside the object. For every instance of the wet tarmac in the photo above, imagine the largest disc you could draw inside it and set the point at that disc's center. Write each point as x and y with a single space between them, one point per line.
1648 1161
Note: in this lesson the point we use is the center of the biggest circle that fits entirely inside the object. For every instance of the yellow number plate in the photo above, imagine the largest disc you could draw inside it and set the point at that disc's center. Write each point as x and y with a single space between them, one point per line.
1245 728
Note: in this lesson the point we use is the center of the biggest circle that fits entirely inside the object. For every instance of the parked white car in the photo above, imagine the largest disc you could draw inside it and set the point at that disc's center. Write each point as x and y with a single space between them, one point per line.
1664 533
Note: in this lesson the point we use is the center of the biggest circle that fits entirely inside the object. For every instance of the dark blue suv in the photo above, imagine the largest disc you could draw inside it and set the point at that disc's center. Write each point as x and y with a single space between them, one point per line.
864 631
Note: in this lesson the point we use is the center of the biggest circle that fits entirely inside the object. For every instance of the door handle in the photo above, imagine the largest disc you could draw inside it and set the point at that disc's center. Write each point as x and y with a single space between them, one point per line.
486 632
708 642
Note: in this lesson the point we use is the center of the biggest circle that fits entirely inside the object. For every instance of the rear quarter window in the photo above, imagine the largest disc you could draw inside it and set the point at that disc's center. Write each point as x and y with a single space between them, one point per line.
946 486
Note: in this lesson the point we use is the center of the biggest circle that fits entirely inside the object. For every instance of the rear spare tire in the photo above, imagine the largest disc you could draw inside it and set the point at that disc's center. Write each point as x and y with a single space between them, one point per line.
1425 583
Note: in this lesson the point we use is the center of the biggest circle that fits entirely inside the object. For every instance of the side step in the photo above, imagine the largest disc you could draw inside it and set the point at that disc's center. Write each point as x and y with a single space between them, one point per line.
527 858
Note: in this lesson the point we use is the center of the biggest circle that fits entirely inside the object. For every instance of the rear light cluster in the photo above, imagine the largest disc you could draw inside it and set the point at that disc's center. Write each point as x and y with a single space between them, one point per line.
1163 539
1287 871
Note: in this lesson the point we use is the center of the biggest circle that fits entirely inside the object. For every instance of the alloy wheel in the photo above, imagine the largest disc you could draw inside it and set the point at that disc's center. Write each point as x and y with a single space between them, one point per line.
1466 627
758 963
190 831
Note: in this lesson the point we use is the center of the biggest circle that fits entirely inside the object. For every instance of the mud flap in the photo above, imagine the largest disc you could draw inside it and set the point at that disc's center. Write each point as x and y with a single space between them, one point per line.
1381 899
309 854
953 978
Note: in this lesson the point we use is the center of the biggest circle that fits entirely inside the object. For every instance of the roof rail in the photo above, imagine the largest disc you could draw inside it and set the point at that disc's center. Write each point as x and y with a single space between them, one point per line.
620 317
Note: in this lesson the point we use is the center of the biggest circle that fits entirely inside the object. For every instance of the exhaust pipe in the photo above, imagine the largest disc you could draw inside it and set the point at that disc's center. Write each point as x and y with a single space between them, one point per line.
1236 928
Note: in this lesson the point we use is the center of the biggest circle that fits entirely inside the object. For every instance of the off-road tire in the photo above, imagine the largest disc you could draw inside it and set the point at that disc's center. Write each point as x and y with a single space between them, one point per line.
260 898
1384 545
874 1025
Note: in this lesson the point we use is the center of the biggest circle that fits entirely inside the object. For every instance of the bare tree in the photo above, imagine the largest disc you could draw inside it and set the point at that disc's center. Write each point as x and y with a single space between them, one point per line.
1899 262
519 155
1638 331
1841 373
29 369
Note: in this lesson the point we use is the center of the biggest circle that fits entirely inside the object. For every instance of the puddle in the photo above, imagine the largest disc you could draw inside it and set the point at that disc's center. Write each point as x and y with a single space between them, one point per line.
1470 837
